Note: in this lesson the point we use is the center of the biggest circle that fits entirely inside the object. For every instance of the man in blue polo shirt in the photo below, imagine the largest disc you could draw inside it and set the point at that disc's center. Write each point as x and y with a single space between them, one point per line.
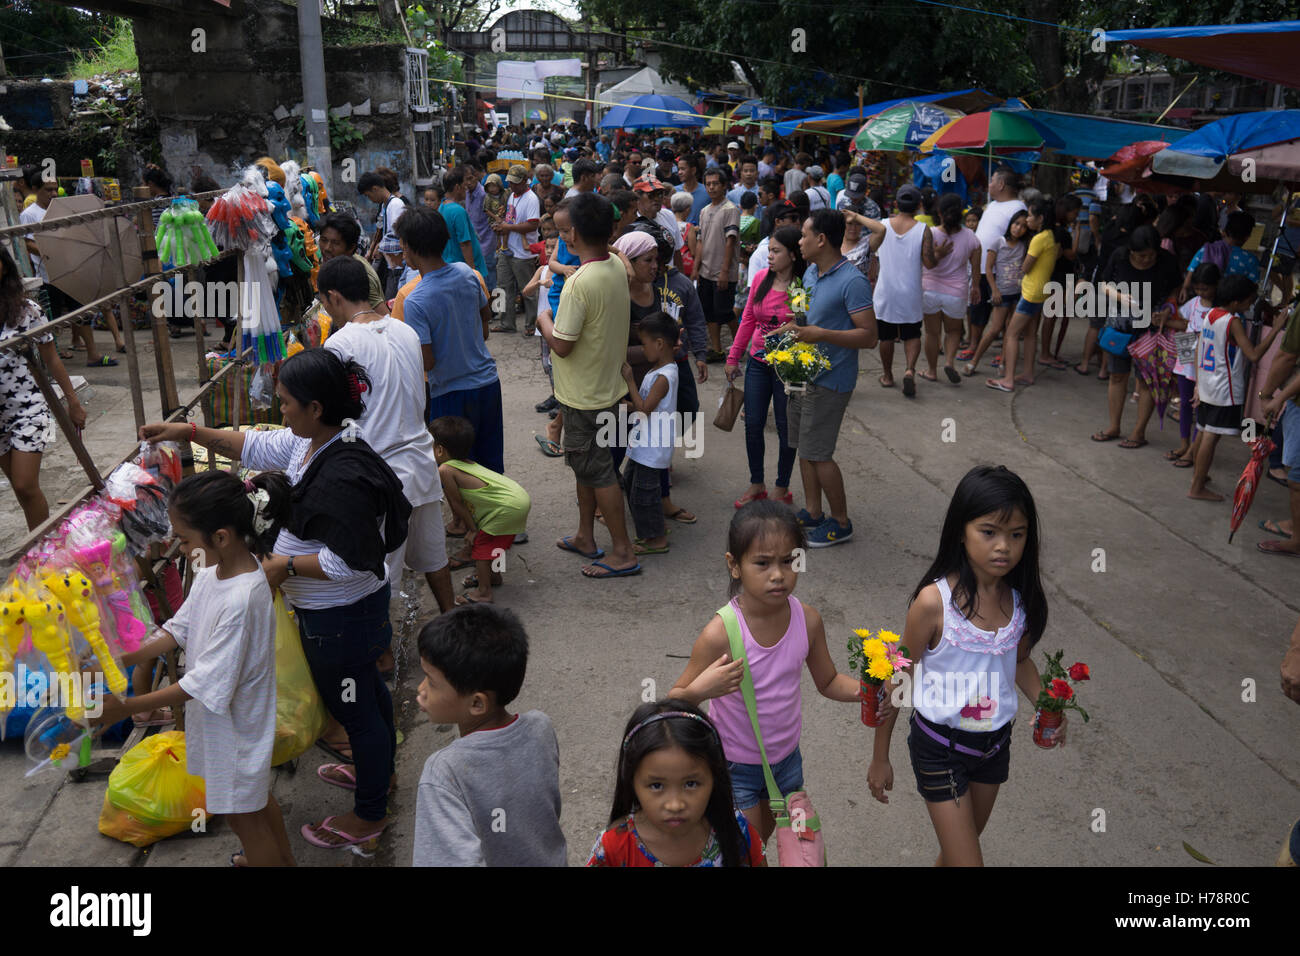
840 321
450 314
462 242
688 168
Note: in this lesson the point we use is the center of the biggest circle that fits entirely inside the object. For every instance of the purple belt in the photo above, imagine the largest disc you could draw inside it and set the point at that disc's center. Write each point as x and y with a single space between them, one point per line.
960 748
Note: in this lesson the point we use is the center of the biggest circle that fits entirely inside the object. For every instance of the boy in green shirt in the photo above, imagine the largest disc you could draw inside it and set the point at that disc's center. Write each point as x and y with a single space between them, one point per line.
493 507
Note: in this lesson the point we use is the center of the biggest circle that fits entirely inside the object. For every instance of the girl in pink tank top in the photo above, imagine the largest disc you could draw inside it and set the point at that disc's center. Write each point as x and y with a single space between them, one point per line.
781 635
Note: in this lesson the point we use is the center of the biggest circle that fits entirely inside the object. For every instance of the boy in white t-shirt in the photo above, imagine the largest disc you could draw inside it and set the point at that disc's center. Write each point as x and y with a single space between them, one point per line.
650 443
1191 319
393 422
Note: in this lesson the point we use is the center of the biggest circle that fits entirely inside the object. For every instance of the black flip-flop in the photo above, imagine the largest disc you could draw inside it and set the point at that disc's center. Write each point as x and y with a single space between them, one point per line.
325 745
909 386
952 374
1272 477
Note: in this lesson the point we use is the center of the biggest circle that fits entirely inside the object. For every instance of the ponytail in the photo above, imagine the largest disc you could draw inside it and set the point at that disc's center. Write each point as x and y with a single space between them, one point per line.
256 509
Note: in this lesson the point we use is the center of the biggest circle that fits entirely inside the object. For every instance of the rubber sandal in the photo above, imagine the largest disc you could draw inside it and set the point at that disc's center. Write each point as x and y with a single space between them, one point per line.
1182 463
1077 372
309 834
1130 444
1272 527
104 362
642 549
786 499
965 355
969 370
459 564
746 498
611 572
1277 551
884 384
1104 436
677 516
464 599
334 752
1172 455
566 544
909 386
951 372
928 377
346 769
549 448
997 386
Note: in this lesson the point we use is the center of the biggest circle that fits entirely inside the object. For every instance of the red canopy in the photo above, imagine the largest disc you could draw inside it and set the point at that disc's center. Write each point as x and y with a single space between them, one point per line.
1265 51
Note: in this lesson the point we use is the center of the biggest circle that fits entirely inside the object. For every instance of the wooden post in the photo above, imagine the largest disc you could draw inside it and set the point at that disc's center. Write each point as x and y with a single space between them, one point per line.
61 416
161 333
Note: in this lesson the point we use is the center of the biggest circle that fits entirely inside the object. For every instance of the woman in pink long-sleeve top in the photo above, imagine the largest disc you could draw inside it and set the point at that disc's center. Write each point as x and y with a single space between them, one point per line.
767 308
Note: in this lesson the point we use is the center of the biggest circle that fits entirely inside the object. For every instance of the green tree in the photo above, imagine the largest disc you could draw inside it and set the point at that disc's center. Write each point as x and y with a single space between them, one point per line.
42 39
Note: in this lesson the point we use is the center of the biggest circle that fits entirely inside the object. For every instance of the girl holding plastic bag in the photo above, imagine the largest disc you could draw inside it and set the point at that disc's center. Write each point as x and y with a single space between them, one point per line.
227 628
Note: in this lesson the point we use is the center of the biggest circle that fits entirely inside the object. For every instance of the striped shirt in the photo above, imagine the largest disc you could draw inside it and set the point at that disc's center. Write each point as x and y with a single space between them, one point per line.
284 451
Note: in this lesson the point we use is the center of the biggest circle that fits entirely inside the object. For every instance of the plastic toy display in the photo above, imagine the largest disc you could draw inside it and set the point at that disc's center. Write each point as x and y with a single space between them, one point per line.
183 238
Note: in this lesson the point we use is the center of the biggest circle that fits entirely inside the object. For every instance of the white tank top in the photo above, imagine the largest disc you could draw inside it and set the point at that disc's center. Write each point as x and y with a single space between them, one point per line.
968 682
1220 365
898 288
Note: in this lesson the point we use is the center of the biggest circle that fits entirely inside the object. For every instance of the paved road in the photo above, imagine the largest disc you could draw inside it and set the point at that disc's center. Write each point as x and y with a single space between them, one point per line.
1172 628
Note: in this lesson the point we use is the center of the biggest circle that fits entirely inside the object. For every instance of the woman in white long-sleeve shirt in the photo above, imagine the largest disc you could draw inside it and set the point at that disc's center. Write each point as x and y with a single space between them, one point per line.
347 512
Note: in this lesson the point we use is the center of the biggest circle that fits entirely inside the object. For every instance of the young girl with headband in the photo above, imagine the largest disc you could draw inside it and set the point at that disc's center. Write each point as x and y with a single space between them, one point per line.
227 628
672 800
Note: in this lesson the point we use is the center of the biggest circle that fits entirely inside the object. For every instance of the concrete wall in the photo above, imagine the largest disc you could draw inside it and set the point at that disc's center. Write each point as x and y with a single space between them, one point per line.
31 104
240 97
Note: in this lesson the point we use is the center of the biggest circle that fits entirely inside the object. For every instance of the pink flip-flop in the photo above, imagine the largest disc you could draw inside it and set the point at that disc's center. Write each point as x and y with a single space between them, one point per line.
344 770
309 834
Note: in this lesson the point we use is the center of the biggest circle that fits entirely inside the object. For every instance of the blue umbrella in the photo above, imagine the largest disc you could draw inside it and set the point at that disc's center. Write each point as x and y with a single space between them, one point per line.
1202 154
651 111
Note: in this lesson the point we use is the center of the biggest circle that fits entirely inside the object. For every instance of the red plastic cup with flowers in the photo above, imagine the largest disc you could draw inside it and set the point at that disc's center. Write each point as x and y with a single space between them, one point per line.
876 660
1056 697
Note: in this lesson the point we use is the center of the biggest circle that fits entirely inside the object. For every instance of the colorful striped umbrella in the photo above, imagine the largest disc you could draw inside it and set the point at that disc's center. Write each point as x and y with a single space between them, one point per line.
903 126
999 130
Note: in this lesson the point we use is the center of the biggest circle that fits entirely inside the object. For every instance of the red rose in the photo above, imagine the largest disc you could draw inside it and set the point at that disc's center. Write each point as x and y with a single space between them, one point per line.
1079 672
1060 690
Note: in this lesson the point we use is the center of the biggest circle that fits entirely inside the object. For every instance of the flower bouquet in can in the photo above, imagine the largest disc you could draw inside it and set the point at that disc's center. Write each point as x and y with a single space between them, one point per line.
796 364
1056 697
876 660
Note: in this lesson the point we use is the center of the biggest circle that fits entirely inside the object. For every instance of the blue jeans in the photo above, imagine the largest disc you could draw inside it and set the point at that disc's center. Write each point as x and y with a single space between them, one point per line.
761 387
341 645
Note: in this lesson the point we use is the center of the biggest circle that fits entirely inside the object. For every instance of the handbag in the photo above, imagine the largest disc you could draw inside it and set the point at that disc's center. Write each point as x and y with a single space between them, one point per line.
1114 341
799 839
729 406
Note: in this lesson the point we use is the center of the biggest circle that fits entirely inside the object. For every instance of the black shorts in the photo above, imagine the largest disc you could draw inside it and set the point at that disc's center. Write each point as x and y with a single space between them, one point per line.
946 774
891 332
718 304
1219 419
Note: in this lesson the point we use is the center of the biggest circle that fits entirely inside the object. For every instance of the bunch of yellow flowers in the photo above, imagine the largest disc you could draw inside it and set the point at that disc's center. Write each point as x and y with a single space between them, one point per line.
878 658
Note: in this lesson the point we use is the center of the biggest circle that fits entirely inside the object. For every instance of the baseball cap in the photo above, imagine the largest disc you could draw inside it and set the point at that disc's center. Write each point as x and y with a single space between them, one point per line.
517 174
647 184
856 186
733 145
816 172
908 198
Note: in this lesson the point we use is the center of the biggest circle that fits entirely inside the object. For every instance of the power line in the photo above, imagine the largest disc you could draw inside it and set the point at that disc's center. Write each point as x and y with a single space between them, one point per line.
1004 16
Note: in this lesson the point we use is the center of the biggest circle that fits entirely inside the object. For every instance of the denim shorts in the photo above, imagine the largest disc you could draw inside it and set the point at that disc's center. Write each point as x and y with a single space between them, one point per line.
946 774
1291 440
748 787
1031 309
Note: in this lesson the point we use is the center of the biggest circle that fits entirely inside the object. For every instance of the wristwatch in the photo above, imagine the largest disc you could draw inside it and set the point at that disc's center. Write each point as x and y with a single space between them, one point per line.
292 572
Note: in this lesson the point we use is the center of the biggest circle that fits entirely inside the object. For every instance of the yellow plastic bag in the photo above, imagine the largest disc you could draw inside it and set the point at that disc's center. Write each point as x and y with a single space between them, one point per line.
300 715
150 796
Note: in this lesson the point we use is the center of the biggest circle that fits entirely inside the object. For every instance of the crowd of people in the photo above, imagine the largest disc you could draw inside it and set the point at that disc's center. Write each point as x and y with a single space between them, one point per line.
627 262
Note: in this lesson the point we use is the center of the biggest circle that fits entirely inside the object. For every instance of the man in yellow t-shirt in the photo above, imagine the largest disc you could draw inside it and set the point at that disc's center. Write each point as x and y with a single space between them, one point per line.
588 347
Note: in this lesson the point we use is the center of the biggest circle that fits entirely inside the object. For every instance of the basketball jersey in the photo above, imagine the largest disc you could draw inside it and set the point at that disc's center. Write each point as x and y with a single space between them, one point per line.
1220 365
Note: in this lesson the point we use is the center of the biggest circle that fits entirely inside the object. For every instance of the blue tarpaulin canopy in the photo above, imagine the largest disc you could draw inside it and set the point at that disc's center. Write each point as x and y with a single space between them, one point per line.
1095 137
965 100
1202 154
1265 51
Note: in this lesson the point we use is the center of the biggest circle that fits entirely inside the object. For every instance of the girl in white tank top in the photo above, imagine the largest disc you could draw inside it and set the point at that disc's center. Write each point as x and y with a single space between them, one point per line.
972 622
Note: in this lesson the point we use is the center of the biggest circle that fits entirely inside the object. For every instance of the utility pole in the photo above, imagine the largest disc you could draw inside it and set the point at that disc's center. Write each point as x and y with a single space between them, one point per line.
315 106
